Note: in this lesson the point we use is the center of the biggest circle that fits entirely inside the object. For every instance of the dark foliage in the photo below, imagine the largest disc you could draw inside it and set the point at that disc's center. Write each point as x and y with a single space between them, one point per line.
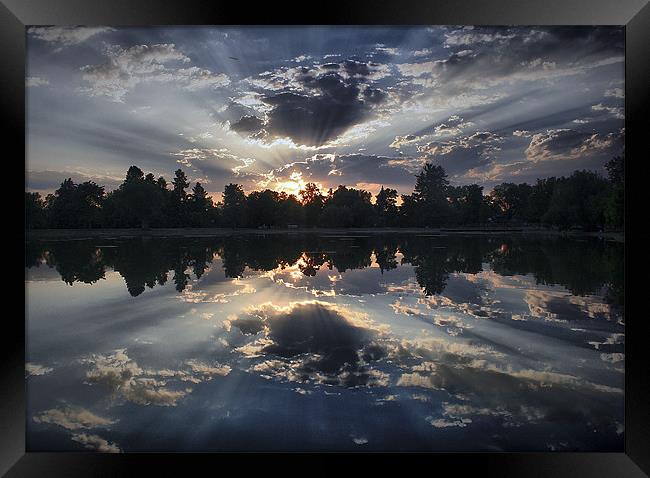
584 200
584 267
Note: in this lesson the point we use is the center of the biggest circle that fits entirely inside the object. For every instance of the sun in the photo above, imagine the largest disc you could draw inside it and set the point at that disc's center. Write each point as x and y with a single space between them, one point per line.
293 185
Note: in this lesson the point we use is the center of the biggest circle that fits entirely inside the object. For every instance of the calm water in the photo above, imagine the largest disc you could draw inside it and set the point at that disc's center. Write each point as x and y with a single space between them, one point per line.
397 342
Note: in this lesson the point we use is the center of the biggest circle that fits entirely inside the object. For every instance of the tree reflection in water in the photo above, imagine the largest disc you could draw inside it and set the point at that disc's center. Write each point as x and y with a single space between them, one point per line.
584 266
454 342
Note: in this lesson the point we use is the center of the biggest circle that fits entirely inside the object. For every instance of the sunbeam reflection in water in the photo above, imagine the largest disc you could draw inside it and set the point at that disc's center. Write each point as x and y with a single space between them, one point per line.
308 342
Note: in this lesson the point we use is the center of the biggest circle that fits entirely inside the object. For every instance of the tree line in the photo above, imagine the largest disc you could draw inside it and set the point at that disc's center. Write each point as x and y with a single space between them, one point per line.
584 200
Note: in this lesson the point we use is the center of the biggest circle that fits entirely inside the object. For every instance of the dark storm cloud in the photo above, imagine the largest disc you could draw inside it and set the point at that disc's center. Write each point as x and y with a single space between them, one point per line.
374 95
511 397
388 91
315 106
322 343
247 125
485 57
569 44
314 342
233 112
314 120
356 68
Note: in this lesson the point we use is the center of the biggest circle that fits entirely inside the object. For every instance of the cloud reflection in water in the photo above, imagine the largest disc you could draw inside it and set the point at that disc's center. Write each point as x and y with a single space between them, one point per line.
419 342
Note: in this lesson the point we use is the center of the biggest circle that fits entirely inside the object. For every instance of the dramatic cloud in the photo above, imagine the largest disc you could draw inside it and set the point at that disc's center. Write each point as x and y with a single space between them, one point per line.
124 378
330 170
488 57
474 355
315 105
572 144
239 109
563 306
249 125
126 68
313 342
463 153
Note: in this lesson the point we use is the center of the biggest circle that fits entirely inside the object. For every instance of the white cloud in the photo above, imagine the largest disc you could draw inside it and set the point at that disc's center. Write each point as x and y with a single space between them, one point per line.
615 92
72 418
94 442
34 81
66 36
402 140
123 377
442 423
461 37
423 52
33 369
220 157
616 112
207 370
570 144
126 68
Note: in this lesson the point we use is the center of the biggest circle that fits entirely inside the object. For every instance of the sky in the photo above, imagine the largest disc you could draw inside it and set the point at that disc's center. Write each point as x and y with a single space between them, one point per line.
365 106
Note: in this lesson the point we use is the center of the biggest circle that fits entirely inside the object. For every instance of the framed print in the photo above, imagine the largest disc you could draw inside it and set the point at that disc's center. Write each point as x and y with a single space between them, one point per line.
379 230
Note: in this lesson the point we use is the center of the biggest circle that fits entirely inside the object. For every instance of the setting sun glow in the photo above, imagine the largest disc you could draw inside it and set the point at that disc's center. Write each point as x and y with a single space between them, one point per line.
293 186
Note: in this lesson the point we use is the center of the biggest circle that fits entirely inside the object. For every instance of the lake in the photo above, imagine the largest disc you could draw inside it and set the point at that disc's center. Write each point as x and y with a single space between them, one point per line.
325 342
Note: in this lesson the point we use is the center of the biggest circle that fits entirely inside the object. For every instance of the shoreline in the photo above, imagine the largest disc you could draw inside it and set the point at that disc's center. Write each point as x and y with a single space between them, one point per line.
78 234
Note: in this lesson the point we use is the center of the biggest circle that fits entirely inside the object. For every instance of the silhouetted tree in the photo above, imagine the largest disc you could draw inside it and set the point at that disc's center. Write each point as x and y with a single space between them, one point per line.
468 204
178 210
139 198
75 205
348 207
199 207
290 210
34 211
540 199
614 203
578 200
512 201
431 196
386 207
585 200
312 201
234 206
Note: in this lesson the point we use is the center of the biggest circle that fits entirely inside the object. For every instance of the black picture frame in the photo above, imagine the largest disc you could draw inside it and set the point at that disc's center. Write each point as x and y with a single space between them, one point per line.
15 15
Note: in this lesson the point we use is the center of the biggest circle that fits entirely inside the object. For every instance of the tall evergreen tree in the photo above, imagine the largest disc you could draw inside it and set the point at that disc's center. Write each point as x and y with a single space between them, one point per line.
234 206
430 195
